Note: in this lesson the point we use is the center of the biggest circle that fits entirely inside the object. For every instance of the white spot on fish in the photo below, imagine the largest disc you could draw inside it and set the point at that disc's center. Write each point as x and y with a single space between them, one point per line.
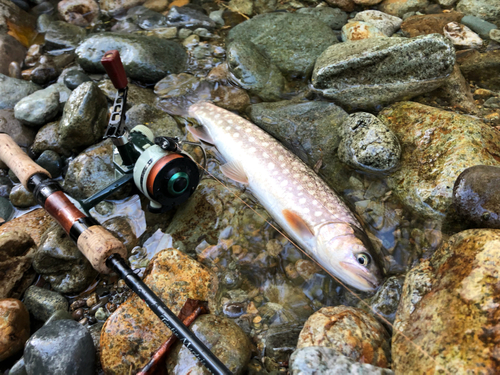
318 213
284 183
305 210
302 200
315 202
251 139
270 165
248 130
252 149
228 128
265 144
266 155
300 188
236 135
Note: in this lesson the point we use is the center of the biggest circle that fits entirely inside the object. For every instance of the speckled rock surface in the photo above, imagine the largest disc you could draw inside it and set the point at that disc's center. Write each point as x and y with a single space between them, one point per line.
367 144
13 90
14 327
133 332
458 278
429 23
34 223
275 34
357 30
42 303
327 361
385 302
461 36
384 22
335 18
400 7
488 10
426 177
20 197
351 332
476 196
47 138
369 72
224 338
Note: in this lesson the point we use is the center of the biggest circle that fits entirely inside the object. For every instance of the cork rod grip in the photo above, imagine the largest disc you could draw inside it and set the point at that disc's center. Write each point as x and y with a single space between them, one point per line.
97 244
20 163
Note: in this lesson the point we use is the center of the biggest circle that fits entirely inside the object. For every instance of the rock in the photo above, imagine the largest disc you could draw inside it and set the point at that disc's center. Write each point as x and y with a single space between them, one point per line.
17 23
357 30
495 35
51 162
59 315
310 129
62 35
461 36
10 50
75 78
399 8
253 71
78 12
275 35
160 123
488 10
13 90
146 59
492 103
456 91
188 18
280 341
368 145
84 118
334 18
147 19
42 303
478 25
350 331
19 368
20 197
345 5
6 209
475 196
136 94
444 297
63 91
121 228
60 347
320 360
367 2
178 85
47 138
384 22
377 70
157 5
34 223
21 134
60 262
482 68
429 24
133 332
14 327
38 108
231 98
43 73
222 337
111 8
424 182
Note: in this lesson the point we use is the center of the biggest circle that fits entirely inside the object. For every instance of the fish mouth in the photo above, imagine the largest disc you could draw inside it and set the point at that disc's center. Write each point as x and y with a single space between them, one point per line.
370 281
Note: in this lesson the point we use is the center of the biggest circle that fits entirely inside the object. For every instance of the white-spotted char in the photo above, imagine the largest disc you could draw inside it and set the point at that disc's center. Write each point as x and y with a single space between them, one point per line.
296 197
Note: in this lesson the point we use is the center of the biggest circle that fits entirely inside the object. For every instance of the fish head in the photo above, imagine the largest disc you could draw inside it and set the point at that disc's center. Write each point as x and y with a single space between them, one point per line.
349 254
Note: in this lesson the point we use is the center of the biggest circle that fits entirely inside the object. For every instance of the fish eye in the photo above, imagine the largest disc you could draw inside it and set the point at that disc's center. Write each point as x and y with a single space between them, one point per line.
363 259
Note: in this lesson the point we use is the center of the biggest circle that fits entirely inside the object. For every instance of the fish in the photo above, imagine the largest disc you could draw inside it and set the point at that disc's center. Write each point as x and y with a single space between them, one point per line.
292 193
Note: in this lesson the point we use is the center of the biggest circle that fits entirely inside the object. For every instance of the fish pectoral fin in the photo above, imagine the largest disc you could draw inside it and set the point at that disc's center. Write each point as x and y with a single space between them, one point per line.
234 171
298 225
201 133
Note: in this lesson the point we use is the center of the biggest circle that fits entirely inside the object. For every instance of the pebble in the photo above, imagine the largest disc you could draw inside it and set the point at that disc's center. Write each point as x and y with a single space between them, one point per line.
75 78
479 26
461 36
38 108
334 18
6 209
495 35
60 347
43 303
384 22
357 30
13 90
14 327
385 302
78 12
22 198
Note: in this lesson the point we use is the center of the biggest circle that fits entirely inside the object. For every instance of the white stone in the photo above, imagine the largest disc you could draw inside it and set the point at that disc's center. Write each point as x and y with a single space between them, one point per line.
384 22
462 36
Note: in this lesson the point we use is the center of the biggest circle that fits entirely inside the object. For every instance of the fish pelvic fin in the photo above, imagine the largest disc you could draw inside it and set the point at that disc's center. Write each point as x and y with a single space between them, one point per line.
299 226
201 133
234 171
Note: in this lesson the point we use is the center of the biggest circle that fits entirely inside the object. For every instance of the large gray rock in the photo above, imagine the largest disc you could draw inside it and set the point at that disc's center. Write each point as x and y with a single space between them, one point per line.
61 347
60 34
291 41
253 71
333 17
47 138
146 59
38 108
370 72
399 8
10 50
84 117
42 303
188 18
13 90
488 10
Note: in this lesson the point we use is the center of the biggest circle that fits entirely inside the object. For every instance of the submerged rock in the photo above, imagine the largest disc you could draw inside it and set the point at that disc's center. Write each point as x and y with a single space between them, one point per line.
370 72
448 309
222 337
43 303
62 35
13 90
14 327
75 78
160 123
425 180
349 331
146 59
133 332
188 18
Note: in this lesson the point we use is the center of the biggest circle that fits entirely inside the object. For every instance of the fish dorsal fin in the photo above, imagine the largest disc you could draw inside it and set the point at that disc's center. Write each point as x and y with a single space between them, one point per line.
201 133
298 225
235 172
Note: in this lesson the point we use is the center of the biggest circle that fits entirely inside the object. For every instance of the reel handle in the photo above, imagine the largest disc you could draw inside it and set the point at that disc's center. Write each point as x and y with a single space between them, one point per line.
114 68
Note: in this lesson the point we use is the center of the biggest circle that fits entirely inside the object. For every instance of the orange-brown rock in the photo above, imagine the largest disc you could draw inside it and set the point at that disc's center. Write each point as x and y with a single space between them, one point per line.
350 331
14 327
133 332
35 223
17 23
429 23
449 309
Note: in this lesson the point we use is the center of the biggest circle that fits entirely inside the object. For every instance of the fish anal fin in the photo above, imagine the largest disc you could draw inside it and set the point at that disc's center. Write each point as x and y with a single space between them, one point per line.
201 133
235 172
298 224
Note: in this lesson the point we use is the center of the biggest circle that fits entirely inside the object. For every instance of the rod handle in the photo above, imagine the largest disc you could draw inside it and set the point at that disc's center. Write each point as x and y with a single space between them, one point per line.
114 67
20 163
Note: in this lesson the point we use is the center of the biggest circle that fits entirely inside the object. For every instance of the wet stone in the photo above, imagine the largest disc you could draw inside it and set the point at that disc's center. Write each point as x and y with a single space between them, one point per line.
384 22
188 18
19 368
43 303
136 94
495 35
21 134
113 8
351 332
78 12
38 108
14 327
20 197
399 8
62 35
47 138
492 103
51 162
334 18
160 123
357 30
428 24
281 341
6 209
456 91
478 25
10 50
60 347
368 145
60 262
121 228
75 78
13 90
488 10
222 337
377 70
482 68
461 36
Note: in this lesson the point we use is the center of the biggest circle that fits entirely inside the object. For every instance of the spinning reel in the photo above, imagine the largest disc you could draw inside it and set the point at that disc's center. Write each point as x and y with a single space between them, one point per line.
161 170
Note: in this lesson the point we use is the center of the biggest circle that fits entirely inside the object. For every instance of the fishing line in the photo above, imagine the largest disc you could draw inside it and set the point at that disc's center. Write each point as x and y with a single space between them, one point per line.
332 276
